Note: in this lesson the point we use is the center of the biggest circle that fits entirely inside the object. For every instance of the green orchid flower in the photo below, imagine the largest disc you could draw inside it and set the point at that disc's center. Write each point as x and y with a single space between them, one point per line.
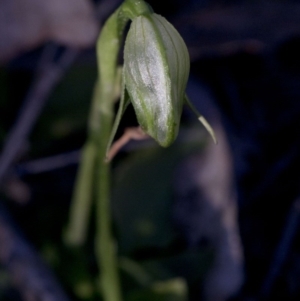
155 74
156 70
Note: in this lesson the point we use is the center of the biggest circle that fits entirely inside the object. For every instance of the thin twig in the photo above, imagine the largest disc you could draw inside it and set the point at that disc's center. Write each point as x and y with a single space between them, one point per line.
221 30
48 74
27 271
274 172
282 250
131 133
129 144
49 163
45 80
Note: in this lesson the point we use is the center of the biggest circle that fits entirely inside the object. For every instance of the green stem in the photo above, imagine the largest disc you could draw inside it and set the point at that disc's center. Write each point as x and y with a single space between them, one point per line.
108 46
93 160
75 234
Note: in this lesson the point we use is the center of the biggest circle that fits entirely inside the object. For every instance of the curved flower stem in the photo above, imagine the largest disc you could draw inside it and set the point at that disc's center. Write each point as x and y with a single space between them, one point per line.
108 47
93 179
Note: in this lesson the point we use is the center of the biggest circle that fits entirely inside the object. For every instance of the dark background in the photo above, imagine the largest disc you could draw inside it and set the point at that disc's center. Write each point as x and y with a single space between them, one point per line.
245 56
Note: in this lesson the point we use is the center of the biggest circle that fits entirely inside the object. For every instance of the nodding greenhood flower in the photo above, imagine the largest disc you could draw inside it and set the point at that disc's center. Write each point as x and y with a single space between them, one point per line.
155 73
156 70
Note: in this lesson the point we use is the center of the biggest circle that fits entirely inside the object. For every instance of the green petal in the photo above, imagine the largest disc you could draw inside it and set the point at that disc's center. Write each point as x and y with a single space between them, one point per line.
156 68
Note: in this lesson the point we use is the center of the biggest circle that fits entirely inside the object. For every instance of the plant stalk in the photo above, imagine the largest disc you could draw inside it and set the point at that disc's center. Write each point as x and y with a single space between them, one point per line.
94 177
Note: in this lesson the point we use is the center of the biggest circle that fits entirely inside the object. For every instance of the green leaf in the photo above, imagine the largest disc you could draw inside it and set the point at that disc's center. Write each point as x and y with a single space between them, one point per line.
124 102
201 119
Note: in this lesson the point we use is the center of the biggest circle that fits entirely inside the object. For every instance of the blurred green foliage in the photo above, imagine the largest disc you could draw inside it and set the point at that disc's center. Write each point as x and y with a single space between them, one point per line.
153 263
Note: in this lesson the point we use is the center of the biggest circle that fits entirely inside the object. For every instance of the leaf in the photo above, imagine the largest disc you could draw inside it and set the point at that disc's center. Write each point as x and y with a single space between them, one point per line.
124 102
201 119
